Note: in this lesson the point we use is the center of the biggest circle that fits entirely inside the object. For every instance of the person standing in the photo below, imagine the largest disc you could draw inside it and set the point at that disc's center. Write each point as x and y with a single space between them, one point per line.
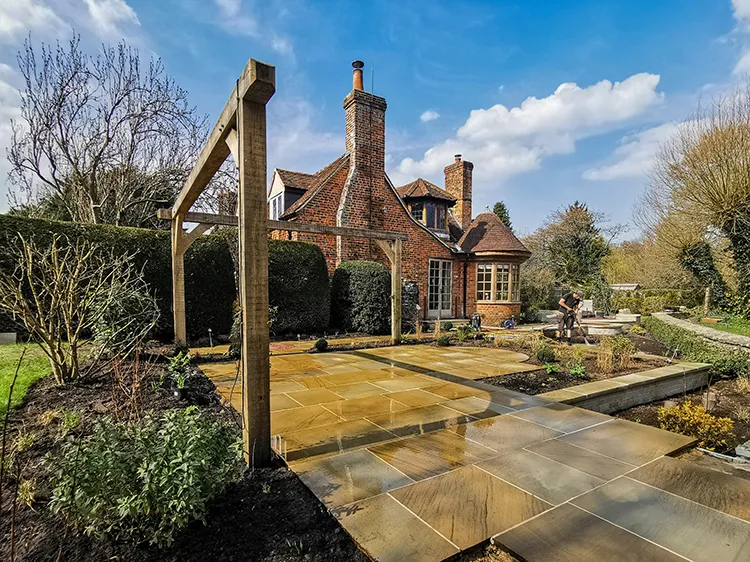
569 304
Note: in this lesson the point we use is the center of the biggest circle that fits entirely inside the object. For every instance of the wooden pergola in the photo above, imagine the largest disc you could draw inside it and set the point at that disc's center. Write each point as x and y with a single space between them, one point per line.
241 131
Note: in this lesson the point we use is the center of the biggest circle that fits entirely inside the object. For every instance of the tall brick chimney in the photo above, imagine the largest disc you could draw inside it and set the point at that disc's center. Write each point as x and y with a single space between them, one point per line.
363 193
458 184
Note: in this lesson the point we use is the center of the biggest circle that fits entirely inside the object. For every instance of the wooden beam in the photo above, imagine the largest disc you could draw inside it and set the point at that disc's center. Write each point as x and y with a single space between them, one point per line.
256 378
188 238
257 83
178 283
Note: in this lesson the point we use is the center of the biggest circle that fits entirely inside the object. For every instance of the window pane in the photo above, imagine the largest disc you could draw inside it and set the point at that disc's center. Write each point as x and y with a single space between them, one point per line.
515 271
502 282
440 217
430 215
484 282
433 291
447 285
416 211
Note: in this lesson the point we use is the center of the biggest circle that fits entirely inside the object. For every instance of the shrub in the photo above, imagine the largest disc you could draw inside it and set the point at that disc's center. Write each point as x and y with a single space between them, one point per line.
321 344
551 368
444 341
145 480
545 353
577 370
361 297
614 353
637 330
463 332
693 420
447 326
298 286
725 362
646 301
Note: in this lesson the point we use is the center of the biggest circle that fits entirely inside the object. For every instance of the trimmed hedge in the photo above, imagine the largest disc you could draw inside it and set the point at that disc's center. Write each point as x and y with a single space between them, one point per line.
209 282
298 286
646 301
361 297
726 362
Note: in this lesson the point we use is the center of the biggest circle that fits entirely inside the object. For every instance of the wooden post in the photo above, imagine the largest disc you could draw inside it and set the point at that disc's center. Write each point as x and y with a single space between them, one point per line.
178 283
396 293
256 407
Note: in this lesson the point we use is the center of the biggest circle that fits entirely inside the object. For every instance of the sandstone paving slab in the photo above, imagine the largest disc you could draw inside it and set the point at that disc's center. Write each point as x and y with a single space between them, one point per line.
711 488
420 420
569 534
358 390
281 387
505 433
358 408
549 480
628 441
332 438
516 400
468 505
562 417
296 419
349 477
584 460
690 529
431 454
283 402
314 396
477 407
404 383
389 532
415 398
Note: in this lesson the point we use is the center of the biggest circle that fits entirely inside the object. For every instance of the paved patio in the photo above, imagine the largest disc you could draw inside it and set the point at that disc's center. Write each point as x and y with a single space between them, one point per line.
419 460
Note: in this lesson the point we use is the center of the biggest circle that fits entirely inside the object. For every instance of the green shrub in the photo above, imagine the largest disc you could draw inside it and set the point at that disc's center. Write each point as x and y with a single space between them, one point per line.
615 352
545 353
464 332
298 287
361 297
147 480
321 344
444 341
577 369
646 301
726 362
551 368
637 330
447 326
693 420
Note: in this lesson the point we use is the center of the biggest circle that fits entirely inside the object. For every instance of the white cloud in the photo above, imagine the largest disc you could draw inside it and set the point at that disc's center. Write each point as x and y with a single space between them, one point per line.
10 108
503 142
741 9
19 17
236 20
429 115
635 156
111 17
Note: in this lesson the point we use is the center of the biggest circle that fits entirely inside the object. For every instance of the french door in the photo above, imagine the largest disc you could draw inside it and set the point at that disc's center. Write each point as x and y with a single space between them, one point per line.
440 289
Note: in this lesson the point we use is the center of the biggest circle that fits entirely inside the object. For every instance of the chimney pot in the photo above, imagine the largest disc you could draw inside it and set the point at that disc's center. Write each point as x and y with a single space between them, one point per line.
458 158
357 82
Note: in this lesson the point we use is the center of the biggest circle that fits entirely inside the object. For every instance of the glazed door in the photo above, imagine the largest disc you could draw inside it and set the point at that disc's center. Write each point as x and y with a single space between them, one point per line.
440 289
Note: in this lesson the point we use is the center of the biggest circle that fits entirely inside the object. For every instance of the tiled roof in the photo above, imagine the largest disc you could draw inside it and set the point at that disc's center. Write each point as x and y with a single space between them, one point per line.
320 179
296 180
423 188
487 233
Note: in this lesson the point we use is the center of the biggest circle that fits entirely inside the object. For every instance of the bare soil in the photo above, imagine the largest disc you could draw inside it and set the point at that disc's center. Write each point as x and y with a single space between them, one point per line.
724 400
267 515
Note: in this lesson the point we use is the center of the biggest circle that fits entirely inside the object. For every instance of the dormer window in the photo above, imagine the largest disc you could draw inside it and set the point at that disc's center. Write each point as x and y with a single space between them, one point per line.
435 216
417 210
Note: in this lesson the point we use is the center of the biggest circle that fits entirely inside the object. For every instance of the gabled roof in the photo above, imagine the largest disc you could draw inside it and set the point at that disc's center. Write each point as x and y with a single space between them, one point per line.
423 188
296 180
487 233
319 179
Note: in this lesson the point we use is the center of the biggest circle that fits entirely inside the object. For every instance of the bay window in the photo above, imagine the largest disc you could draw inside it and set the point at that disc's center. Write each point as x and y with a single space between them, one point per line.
498 282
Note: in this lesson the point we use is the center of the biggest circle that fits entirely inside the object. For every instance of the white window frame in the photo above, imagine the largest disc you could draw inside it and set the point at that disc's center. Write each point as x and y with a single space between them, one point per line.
514 282
276 207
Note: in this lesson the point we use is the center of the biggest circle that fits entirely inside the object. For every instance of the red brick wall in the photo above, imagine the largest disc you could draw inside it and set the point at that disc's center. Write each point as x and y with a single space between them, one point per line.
496 314
458 179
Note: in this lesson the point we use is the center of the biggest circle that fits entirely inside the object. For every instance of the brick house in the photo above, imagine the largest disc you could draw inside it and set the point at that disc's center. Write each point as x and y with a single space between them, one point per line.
461 265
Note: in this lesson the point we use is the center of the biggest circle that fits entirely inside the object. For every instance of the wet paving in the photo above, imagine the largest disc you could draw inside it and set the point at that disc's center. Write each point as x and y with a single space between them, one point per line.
418 460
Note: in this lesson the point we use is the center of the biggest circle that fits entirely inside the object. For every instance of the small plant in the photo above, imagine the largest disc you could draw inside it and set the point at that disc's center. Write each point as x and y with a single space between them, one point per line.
147 479
577 370
637 330
47 417
742 385
405 338
418 330
24 441
545 354
463 332
69 420
321 345
742 413
265 488
444 341
27 492
551 368
447 326
693 420
180 363
614 352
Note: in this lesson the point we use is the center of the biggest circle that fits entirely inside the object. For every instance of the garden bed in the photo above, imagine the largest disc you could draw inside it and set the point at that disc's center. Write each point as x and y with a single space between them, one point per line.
268 514
728 398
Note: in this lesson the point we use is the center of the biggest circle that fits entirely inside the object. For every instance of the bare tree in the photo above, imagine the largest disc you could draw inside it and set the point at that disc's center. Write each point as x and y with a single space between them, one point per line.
700 188
101 139
63 291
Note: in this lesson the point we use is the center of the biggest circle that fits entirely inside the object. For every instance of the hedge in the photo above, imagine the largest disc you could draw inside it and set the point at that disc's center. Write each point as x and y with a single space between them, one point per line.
726 362
298 286
361 297
646 301
209 280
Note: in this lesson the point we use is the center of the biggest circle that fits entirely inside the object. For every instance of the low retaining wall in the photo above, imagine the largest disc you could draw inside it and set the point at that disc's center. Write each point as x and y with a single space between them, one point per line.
724 338
620 393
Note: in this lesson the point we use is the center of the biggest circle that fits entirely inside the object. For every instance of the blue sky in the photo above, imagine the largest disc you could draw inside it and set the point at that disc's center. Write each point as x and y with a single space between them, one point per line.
553 101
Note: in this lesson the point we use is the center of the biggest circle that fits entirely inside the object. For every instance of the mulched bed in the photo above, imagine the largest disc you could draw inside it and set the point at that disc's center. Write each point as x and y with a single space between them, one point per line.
728 400
268 514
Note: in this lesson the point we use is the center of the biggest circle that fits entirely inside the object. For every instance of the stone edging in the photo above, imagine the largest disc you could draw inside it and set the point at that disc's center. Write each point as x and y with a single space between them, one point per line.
718 336
626 391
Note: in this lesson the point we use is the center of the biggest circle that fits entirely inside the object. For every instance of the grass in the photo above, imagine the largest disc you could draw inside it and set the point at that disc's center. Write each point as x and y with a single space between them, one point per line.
35 366
738 326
